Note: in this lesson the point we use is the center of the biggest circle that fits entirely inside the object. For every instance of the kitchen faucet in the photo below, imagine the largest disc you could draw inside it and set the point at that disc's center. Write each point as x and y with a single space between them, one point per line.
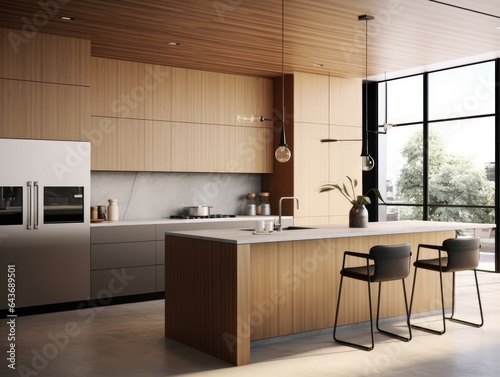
281 199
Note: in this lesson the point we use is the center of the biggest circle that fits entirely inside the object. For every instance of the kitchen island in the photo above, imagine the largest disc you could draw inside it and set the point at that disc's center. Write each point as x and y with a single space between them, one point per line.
227 287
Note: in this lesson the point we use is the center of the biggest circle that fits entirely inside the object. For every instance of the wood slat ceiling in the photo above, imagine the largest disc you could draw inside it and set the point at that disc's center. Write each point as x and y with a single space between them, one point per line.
244 36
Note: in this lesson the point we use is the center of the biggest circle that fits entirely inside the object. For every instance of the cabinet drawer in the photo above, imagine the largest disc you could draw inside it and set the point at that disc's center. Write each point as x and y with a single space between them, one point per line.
122 254
115 282
124 233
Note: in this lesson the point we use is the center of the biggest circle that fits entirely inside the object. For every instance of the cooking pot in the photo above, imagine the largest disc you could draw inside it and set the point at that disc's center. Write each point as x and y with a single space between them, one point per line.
199 210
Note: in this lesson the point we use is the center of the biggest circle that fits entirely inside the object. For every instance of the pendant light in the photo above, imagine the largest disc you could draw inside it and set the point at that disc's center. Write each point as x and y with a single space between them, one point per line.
367 161
282 153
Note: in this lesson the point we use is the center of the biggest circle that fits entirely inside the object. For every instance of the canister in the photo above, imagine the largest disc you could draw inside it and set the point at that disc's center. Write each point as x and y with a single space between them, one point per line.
112 209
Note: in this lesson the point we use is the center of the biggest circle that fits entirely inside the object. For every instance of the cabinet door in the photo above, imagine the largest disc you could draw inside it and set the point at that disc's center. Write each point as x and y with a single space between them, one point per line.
61 112
131 90
251 150
158 146
158 92
20 109
122 254
215 98
103 138
20 60
104 85
186 95
115 282
130 144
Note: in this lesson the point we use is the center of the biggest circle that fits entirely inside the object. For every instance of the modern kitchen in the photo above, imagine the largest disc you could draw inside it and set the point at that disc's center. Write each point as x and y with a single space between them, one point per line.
173 184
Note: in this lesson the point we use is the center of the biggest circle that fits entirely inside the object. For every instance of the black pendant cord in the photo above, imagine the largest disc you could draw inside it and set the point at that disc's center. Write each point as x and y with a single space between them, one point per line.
283 137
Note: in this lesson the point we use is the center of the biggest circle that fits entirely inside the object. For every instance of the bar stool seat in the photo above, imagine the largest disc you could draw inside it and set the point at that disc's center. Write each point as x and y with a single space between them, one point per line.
455 254
390 262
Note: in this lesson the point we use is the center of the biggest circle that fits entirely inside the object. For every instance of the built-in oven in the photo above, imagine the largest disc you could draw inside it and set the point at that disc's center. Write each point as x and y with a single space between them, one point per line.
60 204
63 204
11 205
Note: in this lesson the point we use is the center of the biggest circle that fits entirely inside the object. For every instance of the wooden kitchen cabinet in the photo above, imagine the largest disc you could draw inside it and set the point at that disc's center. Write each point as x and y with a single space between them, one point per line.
158 92
20 109
186 95
122 260
158 146
44 58
251 149
175 119
323 107
104 86
117 144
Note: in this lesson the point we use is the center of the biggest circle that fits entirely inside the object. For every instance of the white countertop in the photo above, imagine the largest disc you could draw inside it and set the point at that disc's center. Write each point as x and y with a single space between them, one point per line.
182 221
247 236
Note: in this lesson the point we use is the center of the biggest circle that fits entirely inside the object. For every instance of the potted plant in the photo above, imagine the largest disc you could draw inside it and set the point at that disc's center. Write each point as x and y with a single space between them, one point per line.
358 215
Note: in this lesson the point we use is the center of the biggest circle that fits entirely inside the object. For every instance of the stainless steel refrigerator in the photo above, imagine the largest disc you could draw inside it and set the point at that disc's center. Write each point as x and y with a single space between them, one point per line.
45 221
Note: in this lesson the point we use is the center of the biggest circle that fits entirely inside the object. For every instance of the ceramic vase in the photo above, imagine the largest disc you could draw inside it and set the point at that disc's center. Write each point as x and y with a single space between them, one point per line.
358 217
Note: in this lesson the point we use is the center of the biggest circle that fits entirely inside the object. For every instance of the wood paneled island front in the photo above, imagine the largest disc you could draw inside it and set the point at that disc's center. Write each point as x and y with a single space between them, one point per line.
225 288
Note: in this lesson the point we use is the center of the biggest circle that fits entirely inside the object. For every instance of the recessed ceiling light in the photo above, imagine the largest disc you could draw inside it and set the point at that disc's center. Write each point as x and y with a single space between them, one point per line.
66 18
318 65
173 43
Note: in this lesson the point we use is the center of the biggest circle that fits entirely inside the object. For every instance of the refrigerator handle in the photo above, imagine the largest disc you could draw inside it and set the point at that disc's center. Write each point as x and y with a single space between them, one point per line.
30 204
36 205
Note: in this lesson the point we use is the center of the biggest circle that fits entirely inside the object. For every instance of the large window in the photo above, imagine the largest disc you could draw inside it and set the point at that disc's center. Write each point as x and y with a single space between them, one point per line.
438 163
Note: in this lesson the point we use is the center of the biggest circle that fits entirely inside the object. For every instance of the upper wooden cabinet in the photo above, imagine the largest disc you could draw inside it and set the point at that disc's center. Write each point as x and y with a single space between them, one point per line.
44 86
191 116
44 57
38 110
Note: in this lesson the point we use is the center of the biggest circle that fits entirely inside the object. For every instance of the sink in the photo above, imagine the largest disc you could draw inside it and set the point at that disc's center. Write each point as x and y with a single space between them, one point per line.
297 228
287 228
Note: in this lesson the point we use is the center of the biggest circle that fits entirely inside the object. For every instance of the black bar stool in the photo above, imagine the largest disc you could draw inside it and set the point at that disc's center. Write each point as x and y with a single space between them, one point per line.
462 254
389 263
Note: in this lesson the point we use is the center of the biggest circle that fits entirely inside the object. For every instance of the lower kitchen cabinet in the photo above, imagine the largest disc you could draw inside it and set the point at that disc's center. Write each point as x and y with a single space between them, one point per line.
122 261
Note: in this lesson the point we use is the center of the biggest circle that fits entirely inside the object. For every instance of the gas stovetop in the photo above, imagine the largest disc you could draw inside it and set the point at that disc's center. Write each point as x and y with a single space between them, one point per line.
187 217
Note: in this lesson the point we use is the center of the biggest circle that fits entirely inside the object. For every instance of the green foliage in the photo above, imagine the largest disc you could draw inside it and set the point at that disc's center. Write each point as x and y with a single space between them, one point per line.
453 180
350 195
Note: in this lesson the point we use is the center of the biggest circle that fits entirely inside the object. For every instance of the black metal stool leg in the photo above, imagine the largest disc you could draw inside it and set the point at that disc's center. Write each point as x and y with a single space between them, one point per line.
432 331
391 334
355 345
451 318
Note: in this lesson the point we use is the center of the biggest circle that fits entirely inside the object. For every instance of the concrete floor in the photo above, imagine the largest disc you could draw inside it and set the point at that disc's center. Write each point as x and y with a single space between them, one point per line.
127 341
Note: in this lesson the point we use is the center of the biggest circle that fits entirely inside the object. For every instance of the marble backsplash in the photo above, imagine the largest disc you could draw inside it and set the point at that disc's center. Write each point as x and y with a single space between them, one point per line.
143 195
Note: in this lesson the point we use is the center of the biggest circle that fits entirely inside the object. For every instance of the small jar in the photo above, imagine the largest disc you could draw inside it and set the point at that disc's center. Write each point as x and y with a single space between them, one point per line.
265 206
251 205
112 210
93 213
